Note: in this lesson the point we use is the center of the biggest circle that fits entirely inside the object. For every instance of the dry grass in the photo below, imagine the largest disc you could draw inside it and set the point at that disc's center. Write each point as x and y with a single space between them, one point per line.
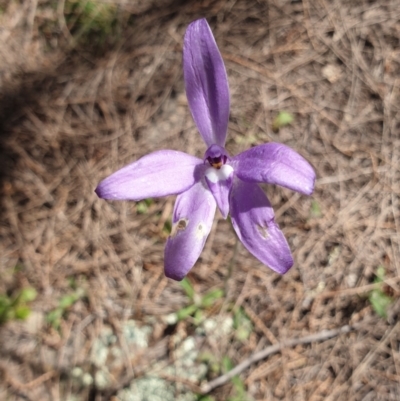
71 113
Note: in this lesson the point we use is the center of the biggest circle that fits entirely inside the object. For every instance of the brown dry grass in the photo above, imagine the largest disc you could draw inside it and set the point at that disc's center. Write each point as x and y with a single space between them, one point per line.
70 114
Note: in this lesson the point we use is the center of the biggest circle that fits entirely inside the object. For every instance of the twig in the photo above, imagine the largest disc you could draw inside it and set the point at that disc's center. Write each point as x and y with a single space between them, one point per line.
19 386
258 356
358 290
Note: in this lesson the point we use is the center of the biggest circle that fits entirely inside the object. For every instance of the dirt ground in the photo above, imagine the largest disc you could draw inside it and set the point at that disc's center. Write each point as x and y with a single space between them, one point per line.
85 88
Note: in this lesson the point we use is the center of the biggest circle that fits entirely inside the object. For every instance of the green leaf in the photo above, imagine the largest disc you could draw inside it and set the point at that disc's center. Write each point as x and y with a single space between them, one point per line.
19 268
68 300
54 317
226 364
167 227
4 302
15 307
281 120
205 398
380 274
240 390
211 360
238 383
22 312
206 356
72 282
315 209
211 296
198 317
242 324
187 311
28 294
142 207
380 302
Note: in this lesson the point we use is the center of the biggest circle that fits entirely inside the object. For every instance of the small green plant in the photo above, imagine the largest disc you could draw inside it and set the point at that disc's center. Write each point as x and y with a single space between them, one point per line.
16 307
167 228
239 390
55 316
315 209
198 303
242 324
379 300
281 120
142 207
205 398
211 360
91 20
239 387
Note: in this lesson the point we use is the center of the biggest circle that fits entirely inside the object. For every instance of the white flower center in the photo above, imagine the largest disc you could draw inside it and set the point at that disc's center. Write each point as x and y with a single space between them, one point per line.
214 175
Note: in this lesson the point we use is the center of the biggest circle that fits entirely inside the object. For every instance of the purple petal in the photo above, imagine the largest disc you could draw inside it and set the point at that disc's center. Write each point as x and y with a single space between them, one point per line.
192 220
206 83
274 163
161 173
220 183
253 220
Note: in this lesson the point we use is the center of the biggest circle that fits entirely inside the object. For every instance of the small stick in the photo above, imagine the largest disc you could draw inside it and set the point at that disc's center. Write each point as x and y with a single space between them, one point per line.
258 356
19 386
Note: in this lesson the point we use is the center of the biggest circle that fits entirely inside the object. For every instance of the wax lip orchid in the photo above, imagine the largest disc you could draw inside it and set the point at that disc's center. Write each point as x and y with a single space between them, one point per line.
219 180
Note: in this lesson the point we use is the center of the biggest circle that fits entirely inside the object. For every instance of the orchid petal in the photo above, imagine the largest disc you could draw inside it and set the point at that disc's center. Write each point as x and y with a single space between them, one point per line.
253 220
274 163
192 220
161 173
220 183
206 83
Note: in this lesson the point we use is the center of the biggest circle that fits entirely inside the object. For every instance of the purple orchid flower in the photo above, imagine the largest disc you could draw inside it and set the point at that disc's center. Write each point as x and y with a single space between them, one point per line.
218 180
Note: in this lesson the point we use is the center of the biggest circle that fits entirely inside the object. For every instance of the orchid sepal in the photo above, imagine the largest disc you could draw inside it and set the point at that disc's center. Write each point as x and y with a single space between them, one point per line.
275 163
161 173
206 83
